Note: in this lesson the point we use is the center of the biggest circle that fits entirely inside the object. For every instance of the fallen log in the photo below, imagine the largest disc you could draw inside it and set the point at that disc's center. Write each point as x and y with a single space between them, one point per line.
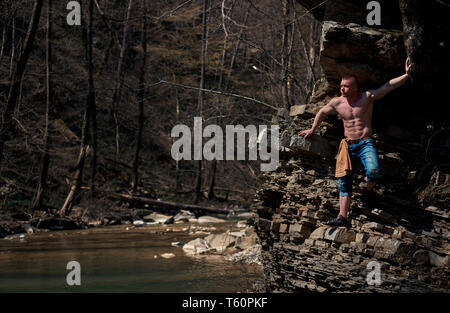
168 205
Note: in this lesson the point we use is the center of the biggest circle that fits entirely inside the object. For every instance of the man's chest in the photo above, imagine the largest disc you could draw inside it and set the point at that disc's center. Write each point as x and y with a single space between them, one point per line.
357 110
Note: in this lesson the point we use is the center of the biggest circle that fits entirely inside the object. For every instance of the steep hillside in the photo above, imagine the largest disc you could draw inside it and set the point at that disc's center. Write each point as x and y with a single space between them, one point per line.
252 60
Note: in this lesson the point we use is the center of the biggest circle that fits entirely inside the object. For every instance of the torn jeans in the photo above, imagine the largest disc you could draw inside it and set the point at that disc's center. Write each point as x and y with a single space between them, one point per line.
365 152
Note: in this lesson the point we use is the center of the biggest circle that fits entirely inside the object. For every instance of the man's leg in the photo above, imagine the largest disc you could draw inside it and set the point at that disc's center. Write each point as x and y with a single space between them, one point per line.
369 159
345 195
344 205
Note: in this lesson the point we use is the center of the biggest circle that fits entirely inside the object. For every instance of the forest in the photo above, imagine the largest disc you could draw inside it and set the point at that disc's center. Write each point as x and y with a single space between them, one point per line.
88 109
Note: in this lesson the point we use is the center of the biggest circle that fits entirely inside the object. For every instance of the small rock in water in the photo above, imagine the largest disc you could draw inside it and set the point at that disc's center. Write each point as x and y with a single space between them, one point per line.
210 219
159 218
178 244
138 223
201 232
20 237
28 229
247 215
167 255
241 224
183 216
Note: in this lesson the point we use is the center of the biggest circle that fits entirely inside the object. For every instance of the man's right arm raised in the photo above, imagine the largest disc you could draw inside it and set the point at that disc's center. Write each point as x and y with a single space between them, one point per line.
320 116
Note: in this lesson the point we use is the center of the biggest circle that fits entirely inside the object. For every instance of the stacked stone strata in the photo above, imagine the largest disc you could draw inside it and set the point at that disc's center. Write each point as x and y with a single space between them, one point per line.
408 239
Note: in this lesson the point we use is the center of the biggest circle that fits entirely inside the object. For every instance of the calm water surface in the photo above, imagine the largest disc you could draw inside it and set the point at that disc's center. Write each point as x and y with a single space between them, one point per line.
114 259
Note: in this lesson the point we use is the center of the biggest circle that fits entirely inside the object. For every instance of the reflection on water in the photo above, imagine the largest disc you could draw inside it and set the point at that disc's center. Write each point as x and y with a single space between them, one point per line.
114 259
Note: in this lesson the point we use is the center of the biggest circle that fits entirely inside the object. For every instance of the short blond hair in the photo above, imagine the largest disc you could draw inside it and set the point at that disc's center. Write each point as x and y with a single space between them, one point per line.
354 77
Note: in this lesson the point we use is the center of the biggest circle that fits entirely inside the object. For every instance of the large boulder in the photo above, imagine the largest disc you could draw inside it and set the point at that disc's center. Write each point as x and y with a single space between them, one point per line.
196 246
220 242
373 55
314 145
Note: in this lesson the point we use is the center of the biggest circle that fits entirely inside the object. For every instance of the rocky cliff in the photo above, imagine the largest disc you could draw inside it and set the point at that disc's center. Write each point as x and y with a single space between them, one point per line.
408 230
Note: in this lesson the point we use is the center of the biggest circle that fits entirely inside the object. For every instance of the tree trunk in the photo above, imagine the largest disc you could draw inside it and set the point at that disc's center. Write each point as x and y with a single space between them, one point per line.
88 121
200 97
17 75
168 205
236 49
42 187
13 45
91 102
3 43
309 56
141 97
287 44
211 194
119 76
177 164
112 36
76 181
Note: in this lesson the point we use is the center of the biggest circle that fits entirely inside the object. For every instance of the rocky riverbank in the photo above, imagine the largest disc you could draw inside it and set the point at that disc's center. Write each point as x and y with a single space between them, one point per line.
407 232
230 238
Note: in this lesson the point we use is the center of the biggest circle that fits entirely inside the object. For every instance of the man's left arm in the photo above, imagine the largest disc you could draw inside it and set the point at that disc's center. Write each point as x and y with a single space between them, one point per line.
392 84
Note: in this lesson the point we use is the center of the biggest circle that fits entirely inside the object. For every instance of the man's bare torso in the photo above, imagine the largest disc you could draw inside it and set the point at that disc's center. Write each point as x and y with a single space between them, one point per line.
357 116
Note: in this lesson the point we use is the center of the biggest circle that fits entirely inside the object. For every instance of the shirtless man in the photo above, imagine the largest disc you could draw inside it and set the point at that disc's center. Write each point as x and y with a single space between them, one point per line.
355 108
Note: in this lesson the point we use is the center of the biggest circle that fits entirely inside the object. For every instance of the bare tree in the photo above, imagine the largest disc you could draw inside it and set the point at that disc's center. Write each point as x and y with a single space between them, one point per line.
200 95
286 50
45 159
3 43
119 76
13 44
91 102
141 97
17 74
88 121
177 164
211 194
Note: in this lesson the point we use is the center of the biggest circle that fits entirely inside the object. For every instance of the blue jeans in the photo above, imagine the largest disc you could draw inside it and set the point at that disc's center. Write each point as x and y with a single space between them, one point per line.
365 152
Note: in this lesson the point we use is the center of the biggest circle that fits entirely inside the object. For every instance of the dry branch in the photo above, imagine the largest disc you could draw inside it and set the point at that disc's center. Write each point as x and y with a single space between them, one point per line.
166 204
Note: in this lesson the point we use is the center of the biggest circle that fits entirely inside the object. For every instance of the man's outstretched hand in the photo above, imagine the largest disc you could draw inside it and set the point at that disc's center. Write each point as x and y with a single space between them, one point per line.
306 133
408 66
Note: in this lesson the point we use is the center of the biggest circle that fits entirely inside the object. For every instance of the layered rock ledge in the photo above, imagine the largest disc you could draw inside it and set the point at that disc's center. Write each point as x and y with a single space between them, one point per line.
408 237
407 232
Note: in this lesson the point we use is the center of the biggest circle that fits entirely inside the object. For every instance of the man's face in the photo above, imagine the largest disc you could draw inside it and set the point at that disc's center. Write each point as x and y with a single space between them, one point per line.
348 87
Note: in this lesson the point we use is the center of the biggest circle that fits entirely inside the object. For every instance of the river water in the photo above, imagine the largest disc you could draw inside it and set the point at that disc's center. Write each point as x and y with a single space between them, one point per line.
118 259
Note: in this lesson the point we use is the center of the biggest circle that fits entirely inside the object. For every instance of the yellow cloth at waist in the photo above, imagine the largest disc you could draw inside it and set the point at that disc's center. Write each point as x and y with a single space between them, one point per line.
343 161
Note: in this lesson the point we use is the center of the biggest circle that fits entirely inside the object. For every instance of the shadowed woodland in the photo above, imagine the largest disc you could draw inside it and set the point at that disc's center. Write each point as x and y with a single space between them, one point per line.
88 110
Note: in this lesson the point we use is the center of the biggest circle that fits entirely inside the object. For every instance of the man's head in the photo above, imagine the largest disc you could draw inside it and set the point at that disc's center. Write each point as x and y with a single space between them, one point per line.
349 86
